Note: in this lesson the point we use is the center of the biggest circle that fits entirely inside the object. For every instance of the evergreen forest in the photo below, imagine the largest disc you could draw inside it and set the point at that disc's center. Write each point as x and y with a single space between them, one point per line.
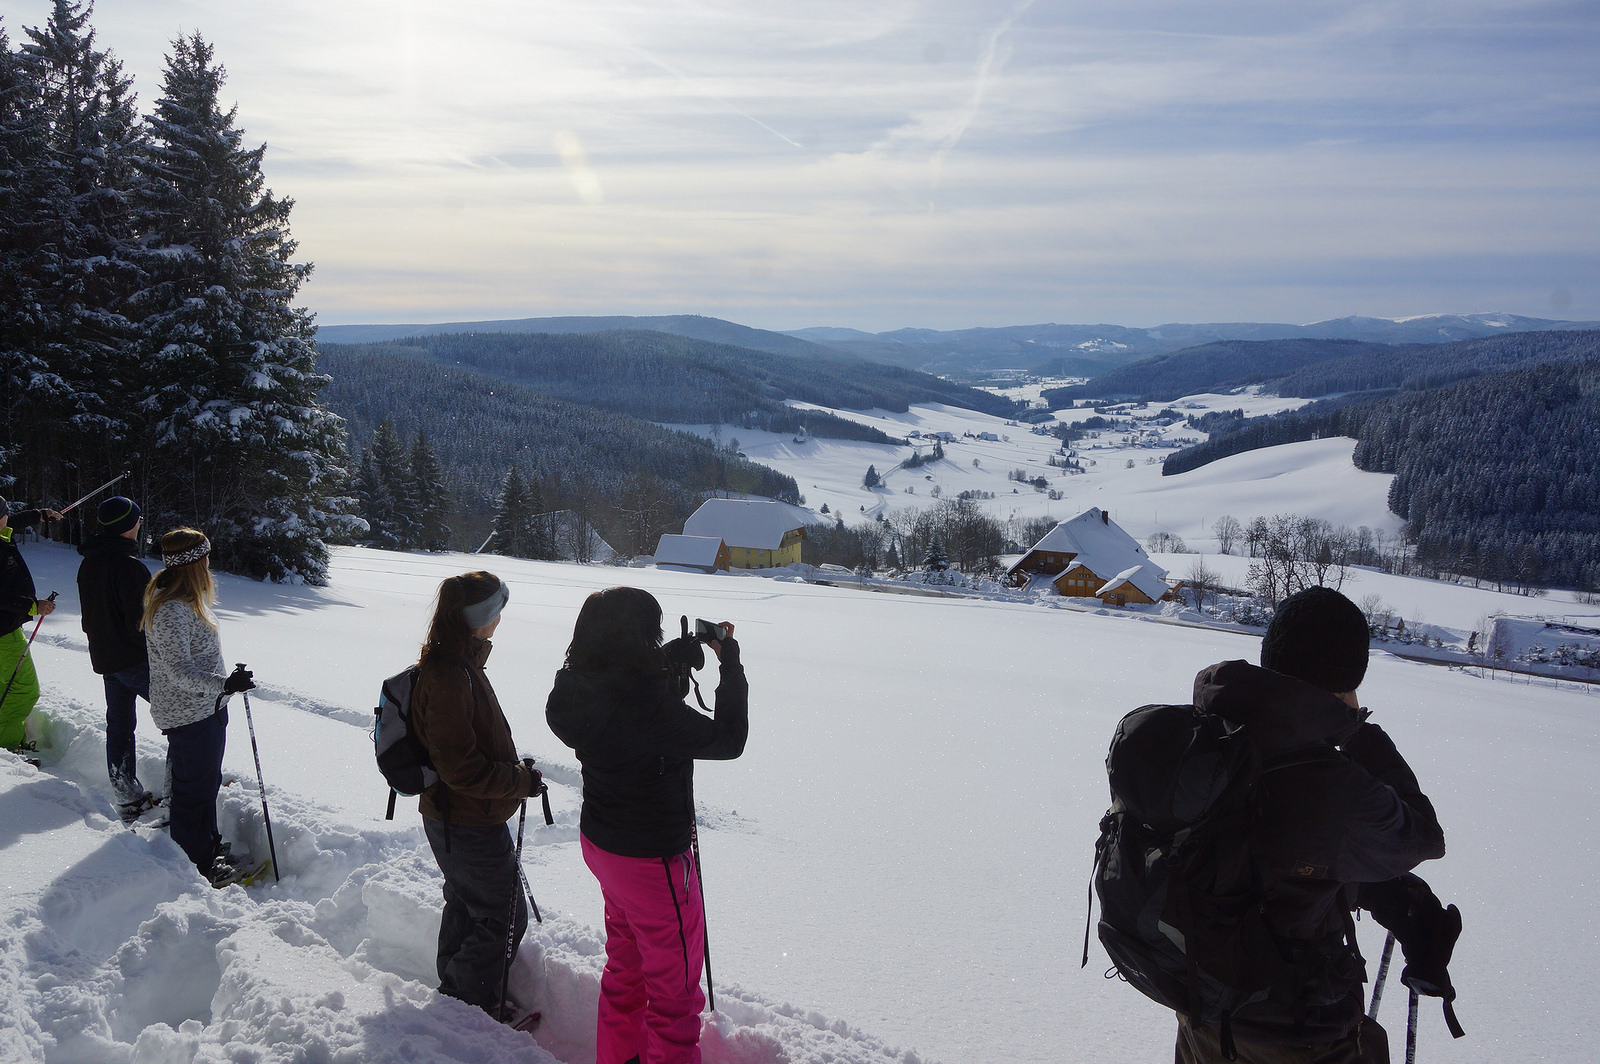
147 318
1497 476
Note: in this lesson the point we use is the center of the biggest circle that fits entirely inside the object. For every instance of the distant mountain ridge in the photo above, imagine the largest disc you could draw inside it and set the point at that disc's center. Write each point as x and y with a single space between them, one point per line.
693 326
1091 350
1060 350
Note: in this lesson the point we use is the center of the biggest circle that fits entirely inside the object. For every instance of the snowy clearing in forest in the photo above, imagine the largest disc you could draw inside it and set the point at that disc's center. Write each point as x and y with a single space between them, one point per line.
895 870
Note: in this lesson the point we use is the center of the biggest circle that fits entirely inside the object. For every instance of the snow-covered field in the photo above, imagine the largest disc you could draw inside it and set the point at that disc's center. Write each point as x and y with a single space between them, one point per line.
895 870
1314 479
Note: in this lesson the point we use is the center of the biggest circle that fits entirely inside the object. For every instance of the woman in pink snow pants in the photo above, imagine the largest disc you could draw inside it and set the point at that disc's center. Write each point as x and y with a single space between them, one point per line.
619 703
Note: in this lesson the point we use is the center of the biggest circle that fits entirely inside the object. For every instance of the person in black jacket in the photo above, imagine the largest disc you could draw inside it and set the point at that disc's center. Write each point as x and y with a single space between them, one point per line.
111 583
18 602
1339 826
619 705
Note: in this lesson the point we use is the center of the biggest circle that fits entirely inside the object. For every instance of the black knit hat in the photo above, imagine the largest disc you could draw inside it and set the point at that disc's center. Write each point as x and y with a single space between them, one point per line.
1319 636
118 514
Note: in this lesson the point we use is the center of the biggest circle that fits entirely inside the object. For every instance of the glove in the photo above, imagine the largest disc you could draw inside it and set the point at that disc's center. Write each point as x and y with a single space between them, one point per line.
729 651
536 784
1426 930
238 680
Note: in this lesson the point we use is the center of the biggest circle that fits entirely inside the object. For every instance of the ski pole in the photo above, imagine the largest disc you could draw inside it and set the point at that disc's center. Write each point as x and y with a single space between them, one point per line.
1411 1031
29 646
705 929
1383 973
529 892
511 921
261 783
92 494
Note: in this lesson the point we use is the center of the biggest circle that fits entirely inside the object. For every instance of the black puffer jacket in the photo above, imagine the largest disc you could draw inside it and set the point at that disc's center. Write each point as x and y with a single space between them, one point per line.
111 583
637 742
17 594
1346 810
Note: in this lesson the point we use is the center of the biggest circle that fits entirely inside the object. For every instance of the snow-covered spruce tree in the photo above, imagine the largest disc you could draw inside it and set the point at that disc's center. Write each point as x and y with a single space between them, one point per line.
70 136
240 447
428 500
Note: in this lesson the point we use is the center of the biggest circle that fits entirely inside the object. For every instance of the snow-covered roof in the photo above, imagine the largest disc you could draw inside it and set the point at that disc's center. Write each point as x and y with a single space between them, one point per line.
1146 577
1099 543
699 552
746 522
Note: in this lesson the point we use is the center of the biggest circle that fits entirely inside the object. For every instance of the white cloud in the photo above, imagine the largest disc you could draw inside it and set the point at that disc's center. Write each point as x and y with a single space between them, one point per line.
776 162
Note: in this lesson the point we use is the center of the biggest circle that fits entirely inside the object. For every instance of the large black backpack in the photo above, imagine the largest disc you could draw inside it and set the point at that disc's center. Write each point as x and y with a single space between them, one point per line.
1181 907
402 758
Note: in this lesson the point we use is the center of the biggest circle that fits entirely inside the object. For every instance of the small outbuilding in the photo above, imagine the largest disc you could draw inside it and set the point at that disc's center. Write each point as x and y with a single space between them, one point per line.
705 554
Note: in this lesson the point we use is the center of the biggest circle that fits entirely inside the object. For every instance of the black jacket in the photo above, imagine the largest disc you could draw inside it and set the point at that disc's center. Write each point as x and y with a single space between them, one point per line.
1345 810
17 594
111 583
637 742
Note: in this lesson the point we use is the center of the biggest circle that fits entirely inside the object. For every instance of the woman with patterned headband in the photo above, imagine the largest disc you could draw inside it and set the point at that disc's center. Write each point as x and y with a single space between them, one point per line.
188 696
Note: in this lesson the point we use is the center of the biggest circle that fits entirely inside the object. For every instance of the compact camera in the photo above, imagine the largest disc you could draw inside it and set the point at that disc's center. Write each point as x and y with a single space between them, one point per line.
709 631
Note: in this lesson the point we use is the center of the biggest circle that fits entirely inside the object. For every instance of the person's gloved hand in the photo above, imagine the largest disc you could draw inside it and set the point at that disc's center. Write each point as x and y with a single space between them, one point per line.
240 679
1434 930
536 785
728 650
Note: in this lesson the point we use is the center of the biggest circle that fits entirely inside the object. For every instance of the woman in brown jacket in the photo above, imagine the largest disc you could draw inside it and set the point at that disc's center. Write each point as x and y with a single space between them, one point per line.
481 784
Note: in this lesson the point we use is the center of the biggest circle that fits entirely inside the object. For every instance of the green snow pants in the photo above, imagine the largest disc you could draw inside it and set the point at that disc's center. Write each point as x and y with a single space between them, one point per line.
24 690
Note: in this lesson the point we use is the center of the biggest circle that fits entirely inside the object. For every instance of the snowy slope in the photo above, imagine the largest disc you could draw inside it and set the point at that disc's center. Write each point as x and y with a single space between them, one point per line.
1314 479
895 870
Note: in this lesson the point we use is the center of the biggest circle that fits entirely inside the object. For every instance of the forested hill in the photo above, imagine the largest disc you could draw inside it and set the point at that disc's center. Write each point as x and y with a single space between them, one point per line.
1212 367
1422 366
1311 368
676 379
481 427
1498 476
694 326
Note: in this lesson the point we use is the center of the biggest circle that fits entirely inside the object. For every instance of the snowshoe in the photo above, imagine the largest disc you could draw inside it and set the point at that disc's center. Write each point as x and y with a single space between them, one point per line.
132 811
227 870
28 751
519 1018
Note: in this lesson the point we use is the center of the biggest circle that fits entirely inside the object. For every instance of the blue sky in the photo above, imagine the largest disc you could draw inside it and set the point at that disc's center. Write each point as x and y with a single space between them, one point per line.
885 163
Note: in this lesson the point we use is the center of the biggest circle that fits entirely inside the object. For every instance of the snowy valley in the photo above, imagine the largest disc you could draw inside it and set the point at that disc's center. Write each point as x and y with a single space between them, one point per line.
896 869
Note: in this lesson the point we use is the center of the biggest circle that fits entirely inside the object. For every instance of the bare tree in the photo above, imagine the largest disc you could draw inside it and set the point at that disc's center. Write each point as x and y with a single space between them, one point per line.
1228 531
1202 583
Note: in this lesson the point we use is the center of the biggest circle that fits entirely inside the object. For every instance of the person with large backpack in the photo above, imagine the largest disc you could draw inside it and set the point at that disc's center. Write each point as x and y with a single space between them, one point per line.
1244 830
481 783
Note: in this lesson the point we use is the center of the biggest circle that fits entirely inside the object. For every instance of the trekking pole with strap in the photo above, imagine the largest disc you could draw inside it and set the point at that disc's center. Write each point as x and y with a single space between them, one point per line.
544 798
68 509
29 646
1383 974
511 919
705 927
261 783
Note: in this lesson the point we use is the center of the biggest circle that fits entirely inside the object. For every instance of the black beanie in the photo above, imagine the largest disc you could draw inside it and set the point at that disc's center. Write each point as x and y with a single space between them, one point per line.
118 514
1319 636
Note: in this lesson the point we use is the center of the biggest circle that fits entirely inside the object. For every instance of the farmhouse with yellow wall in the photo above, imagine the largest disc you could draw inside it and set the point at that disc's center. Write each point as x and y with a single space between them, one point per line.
1091 557
759 533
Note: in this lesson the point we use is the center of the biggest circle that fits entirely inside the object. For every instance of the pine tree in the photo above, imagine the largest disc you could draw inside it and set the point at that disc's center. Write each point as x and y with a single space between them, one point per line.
428 500
871 480
71 135
383 487
241 447
514 532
